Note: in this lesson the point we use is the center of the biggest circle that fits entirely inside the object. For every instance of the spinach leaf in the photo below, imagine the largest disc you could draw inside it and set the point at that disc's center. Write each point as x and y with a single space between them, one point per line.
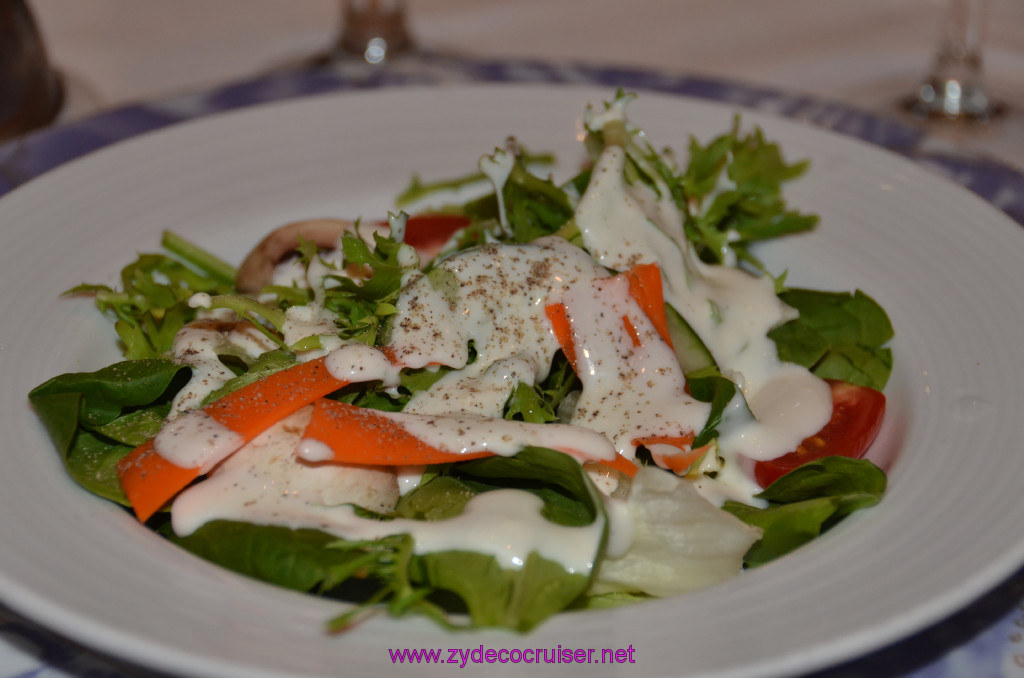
838 336
295 559
95 418
520 598
441 497
807 502
387 570
517 599
569 497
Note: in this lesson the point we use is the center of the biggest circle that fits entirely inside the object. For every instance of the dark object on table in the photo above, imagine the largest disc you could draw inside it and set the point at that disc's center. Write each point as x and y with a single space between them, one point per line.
31 92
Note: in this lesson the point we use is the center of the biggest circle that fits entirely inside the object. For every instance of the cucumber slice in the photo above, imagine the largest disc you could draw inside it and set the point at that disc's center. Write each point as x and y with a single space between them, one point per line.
697 362
690 350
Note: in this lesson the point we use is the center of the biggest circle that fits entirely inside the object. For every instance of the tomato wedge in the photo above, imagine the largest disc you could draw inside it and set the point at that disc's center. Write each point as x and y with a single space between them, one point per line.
429 232
857 413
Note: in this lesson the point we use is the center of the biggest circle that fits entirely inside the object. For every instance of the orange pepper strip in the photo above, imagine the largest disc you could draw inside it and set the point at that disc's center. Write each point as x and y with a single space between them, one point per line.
634 334
645 288
620 464
149 480
560 325
679 461
357 435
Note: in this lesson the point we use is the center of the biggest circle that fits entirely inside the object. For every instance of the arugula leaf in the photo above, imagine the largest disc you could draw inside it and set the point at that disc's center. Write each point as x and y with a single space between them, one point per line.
807 502
418 189
198 258
535 207
152 304
838 336
538 404
362 307
733 195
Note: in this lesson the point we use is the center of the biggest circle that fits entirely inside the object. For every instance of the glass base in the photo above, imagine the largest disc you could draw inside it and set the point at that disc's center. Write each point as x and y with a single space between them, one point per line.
952 100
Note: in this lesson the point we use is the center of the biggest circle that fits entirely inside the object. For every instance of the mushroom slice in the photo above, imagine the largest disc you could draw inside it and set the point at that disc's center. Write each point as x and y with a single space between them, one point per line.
257 270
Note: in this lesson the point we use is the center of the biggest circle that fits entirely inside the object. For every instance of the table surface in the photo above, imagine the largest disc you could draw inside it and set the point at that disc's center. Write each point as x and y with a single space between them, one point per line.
869 53
135 66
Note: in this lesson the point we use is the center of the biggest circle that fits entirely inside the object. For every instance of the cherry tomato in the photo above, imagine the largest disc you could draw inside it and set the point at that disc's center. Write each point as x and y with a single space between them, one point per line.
857 413
429 232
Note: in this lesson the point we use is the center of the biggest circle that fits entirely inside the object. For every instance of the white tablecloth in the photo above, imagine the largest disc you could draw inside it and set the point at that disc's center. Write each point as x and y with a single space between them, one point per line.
867 53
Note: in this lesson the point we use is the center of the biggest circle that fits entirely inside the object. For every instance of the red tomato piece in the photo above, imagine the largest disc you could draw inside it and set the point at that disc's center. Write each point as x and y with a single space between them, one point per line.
429 232
857 413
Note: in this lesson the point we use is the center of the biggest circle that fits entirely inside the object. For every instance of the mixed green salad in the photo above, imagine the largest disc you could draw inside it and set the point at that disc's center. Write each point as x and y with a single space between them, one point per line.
556 395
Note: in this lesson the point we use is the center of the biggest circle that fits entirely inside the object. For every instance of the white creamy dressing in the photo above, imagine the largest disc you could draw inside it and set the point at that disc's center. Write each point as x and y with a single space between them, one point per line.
358 363
498 168
472 391
264 483
196 440
311 320
731 310
629 392
200 345
499 301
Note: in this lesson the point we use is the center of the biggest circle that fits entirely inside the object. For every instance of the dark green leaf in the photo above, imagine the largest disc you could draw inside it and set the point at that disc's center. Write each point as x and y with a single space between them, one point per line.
436 499
539 469
107 391
808 501
517 599
838 336
709 386
294 559
95 418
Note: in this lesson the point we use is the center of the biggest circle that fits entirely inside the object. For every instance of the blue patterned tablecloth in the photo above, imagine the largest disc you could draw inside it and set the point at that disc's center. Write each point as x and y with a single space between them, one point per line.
984 640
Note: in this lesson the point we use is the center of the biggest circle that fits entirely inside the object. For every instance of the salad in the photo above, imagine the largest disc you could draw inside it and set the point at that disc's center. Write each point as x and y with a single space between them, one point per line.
552 396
